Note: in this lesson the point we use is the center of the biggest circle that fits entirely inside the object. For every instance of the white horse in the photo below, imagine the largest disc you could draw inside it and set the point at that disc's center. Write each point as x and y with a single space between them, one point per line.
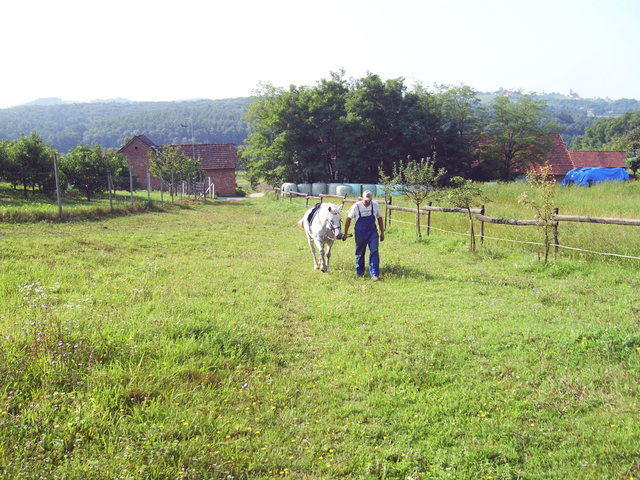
322 231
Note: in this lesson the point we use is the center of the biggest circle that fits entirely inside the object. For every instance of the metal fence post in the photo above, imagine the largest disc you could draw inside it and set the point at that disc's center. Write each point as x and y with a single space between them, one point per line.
131 183
55 171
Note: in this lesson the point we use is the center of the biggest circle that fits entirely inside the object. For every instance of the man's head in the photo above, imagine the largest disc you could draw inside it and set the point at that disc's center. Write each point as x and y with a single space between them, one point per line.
367 196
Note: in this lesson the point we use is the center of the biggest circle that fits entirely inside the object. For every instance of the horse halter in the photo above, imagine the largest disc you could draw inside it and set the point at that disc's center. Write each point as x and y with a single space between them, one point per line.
337 235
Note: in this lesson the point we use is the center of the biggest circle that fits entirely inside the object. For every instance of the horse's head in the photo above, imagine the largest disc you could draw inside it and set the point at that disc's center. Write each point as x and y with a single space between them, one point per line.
334 220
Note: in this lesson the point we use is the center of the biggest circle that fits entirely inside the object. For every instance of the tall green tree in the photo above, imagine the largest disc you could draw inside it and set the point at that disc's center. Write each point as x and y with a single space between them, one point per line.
387 122
298 133
463 117
516 136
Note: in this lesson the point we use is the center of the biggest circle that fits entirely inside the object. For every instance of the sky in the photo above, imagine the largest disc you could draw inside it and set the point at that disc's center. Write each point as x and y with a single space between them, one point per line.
161 50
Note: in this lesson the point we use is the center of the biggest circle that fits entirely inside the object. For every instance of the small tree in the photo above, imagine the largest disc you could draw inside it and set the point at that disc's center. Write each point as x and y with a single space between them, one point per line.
118 167
419 180
171 165
84 167
544 186
466 194
30 163
4 159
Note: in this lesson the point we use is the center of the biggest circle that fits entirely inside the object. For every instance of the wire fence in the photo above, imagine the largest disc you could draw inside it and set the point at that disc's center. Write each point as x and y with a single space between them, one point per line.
103 194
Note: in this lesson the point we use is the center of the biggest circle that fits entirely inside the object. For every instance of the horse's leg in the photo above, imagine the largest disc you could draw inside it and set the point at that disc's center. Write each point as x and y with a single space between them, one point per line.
328 253
312 247
323 261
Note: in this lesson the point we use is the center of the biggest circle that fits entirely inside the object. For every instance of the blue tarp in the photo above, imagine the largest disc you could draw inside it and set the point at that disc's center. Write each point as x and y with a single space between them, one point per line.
586 176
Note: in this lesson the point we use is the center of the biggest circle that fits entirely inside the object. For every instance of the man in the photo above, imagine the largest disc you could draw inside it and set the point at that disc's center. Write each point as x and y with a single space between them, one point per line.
365 212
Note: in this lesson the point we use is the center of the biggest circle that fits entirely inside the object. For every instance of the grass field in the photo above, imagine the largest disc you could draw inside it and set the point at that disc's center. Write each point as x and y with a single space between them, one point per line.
199 343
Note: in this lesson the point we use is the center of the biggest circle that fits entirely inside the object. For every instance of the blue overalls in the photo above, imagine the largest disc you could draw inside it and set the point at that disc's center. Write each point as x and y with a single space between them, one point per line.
367 235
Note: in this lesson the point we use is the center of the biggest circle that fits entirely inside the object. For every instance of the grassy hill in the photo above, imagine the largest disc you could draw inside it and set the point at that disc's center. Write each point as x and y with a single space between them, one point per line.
200 343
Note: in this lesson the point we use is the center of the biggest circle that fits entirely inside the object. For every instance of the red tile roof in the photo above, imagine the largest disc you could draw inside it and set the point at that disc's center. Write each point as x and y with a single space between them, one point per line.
558 156
598 159
212 155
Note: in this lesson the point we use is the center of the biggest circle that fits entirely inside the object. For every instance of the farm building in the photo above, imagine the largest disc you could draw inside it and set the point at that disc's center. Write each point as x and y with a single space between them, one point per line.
219 161
562 159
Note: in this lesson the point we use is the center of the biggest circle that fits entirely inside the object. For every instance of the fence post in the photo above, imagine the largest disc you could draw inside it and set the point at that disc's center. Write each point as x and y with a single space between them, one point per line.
307 200
556 241
110 188
472 239
131 183
429 219
387 212
389 219
161 191
148 187
482 227
55 172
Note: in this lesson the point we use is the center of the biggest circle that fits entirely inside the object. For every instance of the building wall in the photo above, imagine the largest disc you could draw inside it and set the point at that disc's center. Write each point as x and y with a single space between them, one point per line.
224 180
137 155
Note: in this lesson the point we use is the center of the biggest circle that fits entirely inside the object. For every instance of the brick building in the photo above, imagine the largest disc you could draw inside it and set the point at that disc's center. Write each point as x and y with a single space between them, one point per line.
219 161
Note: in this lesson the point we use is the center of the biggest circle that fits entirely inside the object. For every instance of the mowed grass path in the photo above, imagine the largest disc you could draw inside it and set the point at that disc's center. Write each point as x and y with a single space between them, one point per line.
200 344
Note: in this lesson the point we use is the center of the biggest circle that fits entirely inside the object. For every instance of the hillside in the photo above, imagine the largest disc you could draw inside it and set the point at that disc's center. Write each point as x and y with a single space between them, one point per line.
108 123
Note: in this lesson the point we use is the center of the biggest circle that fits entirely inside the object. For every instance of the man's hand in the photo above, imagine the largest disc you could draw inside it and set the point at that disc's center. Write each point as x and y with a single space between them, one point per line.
382 236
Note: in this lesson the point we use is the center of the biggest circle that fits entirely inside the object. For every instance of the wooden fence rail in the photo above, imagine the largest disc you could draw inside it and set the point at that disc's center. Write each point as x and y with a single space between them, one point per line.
328 195
512 221
607 220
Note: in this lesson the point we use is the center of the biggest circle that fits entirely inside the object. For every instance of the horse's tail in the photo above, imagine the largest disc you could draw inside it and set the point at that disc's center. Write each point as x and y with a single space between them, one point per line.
301 222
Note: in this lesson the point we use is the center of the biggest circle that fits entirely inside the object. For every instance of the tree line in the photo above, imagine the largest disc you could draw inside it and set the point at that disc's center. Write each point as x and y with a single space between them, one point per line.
214 121
28 164
349 130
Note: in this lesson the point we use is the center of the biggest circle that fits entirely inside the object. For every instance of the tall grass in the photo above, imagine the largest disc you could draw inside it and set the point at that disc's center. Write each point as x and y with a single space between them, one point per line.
607 200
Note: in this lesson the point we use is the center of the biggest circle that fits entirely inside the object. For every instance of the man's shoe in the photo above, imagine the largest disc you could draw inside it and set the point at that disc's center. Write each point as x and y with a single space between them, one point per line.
375 278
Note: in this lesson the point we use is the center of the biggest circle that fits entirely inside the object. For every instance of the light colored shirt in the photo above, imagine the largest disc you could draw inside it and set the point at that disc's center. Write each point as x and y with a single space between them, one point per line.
358 210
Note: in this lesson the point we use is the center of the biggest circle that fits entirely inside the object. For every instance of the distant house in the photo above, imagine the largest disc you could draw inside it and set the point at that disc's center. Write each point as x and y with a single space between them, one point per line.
218 161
